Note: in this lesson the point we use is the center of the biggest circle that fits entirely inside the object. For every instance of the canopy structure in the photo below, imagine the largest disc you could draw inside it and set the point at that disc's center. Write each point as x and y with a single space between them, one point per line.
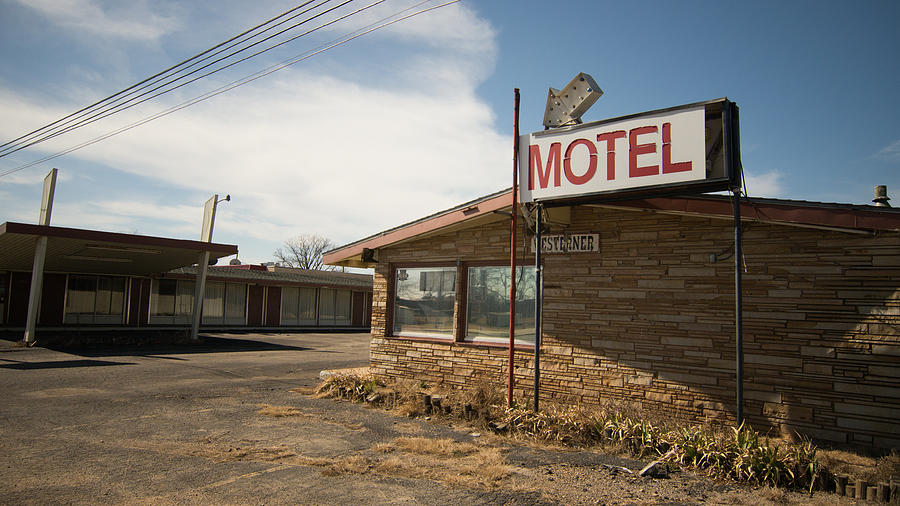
92 251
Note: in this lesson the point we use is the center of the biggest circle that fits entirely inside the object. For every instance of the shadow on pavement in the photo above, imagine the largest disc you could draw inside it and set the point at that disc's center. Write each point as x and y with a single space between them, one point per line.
58 364
208 344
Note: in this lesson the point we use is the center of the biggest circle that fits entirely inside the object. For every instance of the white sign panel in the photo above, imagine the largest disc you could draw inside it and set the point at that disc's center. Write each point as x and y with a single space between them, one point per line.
656 149
568 243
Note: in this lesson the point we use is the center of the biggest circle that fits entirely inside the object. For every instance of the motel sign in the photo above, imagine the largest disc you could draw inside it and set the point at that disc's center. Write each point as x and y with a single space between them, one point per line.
672 148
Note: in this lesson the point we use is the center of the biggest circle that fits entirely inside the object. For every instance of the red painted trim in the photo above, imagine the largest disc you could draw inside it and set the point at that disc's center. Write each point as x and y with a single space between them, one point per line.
126 239
420 227
775 212
803 213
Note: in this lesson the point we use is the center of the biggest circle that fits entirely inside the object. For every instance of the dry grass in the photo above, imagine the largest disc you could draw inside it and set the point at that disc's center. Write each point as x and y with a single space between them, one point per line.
743 455
438 447
278 411
444 460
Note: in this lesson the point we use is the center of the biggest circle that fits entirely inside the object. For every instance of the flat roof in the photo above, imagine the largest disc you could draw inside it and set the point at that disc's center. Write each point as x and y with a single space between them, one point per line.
800 213
96 252
280 276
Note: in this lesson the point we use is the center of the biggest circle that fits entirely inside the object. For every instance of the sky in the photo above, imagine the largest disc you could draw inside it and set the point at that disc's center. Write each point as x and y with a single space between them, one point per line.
418 117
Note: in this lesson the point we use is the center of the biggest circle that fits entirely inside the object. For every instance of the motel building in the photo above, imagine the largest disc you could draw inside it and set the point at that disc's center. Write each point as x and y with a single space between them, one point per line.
111 288
637 294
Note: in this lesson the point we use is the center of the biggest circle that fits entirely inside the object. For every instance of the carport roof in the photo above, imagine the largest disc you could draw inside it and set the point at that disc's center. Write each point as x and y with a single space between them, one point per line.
92 251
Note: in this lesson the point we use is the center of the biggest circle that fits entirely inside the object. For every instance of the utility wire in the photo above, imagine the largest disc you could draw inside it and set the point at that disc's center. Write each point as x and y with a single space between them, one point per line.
105 111
155 76
384 22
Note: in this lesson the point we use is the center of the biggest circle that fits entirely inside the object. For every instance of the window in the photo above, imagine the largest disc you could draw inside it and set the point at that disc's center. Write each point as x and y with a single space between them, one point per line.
334 307
214 302
487 304
224 303
95 299
423 302
171 301
298 306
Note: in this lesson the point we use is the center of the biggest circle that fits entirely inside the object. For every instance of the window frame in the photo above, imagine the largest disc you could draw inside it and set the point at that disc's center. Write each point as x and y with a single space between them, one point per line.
464 314
460 312
95 317
390 318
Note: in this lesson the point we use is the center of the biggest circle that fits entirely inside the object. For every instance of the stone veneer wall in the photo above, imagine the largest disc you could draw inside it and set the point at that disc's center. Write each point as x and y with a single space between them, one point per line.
649 321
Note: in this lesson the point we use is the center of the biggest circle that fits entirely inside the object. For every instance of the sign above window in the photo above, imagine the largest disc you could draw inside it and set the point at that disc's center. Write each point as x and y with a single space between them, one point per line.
690 148
568 243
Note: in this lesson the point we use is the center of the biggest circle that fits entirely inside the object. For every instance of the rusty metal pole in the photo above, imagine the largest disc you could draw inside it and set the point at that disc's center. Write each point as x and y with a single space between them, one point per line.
538 303
512 254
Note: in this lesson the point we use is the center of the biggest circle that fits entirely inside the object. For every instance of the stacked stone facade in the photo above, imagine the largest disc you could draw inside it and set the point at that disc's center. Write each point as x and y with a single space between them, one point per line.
648 321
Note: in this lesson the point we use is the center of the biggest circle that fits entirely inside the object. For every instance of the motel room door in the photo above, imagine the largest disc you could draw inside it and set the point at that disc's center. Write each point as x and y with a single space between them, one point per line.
359 309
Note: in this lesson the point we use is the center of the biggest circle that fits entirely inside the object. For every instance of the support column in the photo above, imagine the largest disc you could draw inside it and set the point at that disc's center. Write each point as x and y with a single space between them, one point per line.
40 255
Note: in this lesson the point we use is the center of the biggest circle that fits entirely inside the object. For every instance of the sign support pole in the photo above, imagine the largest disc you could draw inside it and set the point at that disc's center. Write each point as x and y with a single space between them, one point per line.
738 316
538 281
209 220
731 146
512 255
40 254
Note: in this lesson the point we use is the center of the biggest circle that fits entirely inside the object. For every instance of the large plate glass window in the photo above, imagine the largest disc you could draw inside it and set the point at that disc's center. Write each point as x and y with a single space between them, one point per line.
224 303
171 301
423 302
298 306
95 299
334 307
487 304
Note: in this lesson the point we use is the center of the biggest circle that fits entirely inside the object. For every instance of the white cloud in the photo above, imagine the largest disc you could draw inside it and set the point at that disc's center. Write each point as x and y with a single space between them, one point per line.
890 153
134 19
305 152
765 184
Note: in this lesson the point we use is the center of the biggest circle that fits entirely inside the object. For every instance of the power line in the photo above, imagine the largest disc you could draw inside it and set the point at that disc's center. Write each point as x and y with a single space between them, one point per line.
103 111
384 22
157 75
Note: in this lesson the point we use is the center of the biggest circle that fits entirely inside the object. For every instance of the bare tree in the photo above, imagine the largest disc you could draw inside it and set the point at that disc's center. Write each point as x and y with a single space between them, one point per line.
304 252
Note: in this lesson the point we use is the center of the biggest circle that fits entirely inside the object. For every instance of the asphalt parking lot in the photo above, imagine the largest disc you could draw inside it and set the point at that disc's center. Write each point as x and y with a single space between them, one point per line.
193 425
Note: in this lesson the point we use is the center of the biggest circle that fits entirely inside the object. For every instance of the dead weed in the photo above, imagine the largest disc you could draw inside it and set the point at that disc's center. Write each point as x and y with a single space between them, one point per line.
278 411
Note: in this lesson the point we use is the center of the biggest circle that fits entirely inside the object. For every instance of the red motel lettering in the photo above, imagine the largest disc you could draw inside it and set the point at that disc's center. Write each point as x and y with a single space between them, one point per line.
640 142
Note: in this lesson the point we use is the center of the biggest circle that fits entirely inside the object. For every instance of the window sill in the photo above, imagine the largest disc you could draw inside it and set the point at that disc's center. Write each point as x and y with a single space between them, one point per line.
488 344
469 344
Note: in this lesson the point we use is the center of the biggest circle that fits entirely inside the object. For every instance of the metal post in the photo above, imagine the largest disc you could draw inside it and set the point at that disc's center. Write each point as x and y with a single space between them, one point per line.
40 255
512 255
538 280
209 220
738 316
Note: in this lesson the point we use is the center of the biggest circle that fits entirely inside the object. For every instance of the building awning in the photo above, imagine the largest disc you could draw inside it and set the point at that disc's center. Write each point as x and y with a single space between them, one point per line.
92 251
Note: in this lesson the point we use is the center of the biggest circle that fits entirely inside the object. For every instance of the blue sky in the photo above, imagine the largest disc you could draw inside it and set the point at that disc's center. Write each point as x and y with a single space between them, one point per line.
416 118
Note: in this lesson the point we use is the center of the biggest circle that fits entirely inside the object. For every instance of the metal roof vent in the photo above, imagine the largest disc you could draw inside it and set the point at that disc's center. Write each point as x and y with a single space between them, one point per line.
881 198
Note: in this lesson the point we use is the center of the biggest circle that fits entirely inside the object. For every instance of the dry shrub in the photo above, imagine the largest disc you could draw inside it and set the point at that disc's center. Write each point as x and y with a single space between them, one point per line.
352 387
278 411
740 454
